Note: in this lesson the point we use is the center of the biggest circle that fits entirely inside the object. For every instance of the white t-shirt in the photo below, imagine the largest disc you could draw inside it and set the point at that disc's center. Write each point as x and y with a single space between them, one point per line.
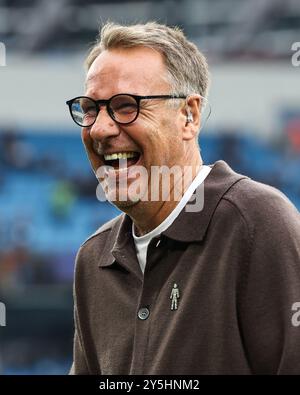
142 242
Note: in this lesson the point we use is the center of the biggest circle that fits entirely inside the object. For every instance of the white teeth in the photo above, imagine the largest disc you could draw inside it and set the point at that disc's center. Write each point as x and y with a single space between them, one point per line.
120 155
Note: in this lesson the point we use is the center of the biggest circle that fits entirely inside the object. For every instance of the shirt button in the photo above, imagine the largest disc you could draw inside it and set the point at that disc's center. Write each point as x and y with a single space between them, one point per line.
143 313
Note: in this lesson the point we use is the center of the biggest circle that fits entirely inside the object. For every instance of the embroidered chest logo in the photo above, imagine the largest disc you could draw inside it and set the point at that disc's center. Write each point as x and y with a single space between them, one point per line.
175 295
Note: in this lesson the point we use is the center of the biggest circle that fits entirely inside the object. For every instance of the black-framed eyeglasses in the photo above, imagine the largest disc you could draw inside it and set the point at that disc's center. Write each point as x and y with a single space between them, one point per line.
122 108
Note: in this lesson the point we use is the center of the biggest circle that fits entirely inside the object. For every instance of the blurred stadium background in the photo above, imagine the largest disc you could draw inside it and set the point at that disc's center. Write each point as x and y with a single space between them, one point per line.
48 203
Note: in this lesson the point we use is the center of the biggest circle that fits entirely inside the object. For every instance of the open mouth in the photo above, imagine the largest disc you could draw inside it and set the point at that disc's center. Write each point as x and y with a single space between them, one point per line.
121 160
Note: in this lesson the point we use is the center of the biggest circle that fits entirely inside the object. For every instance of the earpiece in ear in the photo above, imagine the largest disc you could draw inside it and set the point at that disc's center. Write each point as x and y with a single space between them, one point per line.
189 117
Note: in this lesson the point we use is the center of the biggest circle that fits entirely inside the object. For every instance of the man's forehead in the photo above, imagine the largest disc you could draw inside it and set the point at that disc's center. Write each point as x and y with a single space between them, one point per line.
134 65
98 75
125 82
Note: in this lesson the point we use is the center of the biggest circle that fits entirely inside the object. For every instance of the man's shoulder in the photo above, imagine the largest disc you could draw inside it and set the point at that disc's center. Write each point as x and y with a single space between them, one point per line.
260 202
247 192
234 192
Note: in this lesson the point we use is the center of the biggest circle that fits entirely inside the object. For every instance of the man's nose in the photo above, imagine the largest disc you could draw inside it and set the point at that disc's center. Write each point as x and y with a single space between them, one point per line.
104 127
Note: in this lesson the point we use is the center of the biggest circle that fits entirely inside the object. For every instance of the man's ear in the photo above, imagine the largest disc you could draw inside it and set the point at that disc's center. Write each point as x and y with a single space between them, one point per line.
190 117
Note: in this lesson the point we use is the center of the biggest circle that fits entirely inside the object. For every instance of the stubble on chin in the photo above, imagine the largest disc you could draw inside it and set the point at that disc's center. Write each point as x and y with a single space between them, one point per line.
125 205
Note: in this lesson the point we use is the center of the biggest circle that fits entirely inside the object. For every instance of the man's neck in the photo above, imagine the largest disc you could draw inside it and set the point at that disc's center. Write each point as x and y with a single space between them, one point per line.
147 222
146 216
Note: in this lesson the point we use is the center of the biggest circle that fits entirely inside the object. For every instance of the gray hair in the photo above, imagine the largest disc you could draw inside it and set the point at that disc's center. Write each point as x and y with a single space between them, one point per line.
187 70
